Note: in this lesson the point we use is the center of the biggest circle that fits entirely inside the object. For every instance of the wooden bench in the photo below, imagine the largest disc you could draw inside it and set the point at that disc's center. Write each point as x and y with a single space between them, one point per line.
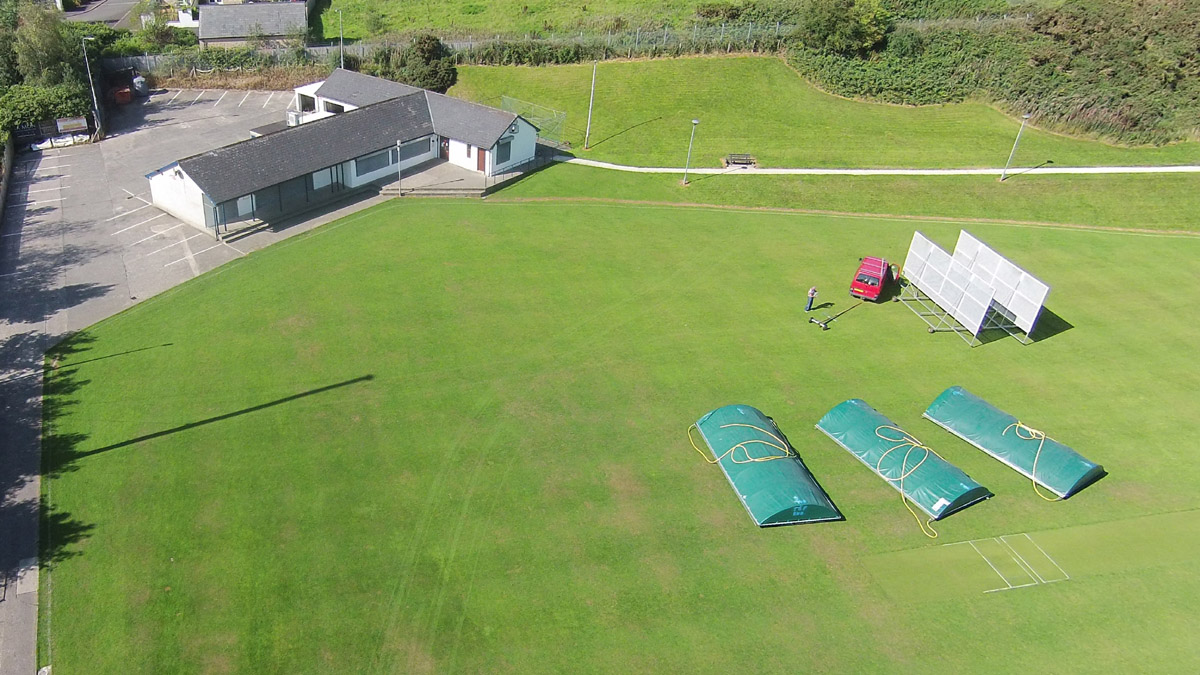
734 159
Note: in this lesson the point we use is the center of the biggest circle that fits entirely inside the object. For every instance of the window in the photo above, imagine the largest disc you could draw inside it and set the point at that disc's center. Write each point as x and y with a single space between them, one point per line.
334 108
503 152
412 150
372 163
322 178
469 151
307 103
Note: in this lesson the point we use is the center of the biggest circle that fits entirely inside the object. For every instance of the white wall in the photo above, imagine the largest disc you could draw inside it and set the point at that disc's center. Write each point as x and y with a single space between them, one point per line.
524 145
389 171
459 157
321 101
173 191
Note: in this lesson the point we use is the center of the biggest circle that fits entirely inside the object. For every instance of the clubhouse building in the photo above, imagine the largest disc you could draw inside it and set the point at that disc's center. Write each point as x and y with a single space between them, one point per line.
347 133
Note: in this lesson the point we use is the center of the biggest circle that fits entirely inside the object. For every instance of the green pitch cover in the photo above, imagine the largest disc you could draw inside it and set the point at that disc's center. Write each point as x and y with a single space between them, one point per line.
1036 456
936 486
767 474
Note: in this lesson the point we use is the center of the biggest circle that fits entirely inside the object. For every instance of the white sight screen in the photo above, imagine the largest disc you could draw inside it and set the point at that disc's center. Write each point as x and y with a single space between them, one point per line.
1020 294
947 281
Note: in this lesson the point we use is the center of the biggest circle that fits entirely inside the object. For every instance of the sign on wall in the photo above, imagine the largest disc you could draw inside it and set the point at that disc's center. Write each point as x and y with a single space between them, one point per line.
71 125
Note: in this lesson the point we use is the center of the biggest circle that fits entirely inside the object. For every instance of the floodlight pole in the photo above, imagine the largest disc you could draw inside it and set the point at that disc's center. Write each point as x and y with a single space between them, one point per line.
1004 173
341 49
91 84
591 99
689 155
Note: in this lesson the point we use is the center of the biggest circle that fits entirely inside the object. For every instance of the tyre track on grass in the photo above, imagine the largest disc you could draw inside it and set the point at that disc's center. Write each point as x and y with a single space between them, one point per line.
385 654
430 628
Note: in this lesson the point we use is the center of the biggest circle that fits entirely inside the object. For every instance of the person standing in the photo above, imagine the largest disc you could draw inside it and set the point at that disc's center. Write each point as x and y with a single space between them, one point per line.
812 295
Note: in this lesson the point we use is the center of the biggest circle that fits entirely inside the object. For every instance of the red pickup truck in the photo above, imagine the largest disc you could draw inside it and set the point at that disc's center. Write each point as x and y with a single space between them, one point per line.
872 275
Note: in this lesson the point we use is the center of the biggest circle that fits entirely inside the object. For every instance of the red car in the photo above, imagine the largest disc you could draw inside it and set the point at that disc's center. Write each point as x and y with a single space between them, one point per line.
872 275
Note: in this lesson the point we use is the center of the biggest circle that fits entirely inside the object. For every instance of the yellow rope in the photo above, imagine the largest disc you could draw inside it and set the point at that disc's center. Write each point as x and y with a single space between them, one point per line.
911 444
781 446
1031 434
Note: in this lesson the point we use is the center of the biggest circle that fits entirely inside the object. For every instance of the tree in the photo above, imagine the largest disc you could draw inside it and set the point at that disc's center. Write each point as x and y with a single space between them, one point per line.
41 51
10 74
426 63
25 104
845 26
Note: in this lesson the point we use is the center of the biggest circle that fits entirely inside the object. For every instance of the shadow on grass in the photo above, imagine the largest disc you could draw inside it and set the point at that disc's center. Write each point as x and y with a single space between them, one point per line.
61 451
66 452
1032 168
623 131
1049 325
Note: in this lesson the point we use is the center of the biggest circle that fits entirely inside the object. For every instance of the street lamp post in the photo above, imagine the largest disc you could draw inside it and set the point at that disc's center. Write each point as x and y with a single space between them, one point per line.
91 84
1004 173
400 168
689 155
341 48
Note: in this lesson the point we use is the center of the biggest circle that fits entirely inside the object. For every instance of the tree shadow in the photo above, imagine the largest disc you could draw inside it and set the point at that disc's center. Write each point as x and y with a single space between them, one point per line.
32 294
31 528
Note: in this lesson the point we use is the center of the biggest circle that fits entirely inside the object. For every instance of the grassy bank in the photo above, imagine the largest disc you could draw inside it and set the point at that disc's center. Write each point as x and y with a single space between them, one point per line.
758 105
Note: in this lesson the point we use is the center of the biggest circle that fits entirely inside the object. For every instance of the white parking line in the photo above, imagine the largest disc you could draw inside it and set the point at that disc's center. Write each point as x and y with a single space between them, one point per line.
243 99
156 234
175 97
198 96
269 99
139 224
125 213
135 196
40 167
30 182
182 241
220 99
184 259
44 201
47 190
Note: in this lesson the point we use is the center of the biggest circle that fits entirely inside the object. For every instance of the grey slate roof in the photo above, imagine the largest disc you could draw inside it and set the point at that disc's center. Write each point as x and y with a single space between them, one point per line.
248 166
347 86
269 19
472 123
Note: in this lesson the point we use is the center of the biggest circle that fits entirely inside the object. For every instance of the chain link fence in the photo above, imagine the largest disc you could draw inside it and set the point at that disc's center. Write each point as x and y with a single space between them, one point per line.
530 49
550 122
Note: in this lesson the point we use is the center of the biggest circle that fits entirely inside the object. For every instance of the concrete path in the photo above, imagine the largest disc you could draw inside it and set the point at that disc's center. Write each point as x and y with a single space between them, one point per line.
884 172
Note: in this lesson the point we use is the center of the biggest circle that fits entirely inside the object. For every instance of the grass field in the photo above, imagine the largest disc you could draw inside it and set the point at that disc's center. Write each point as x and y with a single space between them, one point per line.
758 105
1156 202
449 436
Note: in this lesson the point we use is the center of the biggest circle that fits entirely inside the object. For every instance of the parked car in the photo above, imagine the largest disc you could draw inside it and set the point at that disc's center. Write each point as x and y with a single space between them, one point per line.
873 275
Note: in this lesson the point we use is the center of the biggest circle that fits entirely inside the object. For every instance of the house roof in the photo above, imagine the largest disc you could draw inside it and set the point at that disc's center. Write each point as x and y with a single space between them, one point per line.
472 123
347 86
268 19
239 169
